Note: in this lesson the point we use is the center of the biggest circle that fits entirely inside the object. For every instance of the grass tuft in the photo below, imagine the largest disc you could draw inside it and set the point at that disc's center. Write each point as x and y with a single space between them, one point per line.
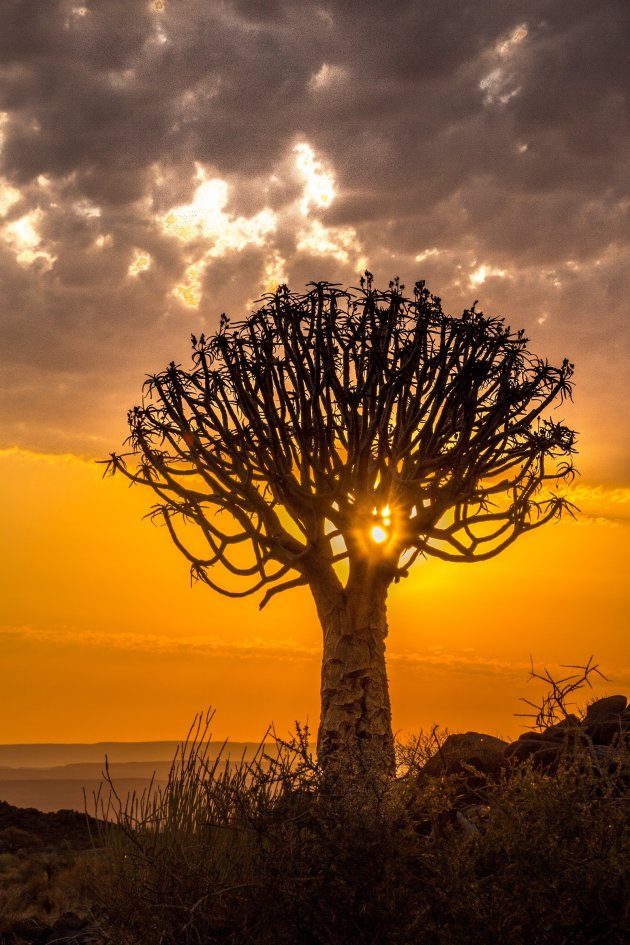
268 852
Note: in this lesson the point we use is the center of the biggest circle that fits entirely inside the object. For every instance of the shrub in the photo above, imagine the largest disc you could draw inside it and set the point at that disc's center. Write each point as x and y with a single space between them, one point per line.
273 852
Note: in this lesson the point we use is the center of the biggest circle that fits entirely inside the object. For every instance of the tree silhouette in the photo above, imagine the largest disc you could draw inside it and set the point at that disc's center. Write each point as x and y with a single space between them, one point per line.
332 438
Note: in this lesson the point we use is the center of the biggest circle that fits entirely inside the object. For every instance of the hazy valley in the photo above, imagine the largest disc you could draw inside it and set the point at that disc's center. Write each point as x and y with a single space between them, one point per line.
55 777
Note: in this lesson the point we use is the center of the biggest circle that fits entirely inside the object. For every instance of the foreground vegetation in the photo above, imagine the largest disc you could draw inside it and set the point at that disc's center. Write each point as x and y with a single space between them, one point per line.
48 868
272 853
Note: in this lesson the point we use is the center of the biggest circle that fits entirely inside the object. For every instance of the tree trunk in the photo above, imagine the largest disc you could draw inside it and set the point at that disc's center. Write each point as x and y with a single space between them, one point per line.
355 724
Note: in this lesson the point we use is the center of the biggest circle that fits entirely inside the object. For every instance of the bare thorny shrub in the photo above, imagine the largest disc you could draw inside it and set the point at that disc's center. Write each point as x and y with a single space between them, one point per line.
555 704
269 851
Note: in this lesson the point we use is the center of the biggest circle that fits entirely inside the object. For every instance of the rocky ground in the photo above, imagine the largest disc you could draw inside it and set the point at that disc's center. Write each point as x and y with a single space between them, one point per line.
606 722
44 862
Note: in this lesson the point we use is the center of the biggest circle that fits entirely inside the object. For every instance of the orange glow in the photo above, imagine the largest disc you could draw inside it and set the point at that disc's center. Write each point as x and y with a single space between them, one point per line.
380 532
102 637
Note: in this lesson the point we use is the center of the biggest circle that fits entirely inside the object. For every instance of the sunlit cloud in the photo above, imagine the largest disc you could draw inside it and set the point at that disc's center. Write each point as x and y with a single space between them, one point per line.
159 37
209 231
481 273
319 184
340 242
438 658
598 521
208 645
505 47
189 291
601 494
85 208
599 505
494 86
206 217
433 658
23 238
120 78
16 453
327 77
499 85
8 196
427 253
206 220
470 662
275 271
140 263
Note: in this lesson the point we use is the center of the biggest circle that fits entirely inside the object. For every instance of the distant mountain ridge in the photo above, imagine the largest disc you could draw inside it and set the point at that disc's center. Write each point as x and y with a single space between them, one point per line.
78 771
52 777
46 755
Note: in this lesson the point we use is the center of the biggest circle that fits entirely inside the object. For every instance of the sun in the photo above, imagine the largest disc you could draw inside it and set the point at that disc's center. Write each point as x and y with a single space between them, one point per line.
379 532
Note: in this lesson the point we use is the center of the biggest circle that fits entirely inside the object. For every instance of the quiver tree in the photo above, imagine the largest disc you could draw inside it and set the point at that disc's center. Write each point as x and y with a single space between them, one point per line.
331 439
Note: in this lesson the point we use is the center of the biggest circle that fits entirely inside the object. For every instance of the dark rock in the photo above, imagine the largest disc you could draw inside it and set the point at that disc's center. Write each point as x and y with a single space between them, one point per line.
547 758
544 752
603 710
69 922
561 729
600 754
607 719
524 747
530 736
604 733
474 749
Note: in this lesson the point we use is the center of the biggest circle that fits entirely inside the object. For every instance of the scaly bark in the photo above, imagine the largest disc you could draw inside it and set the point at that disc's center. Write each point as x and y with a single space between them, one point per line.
355 723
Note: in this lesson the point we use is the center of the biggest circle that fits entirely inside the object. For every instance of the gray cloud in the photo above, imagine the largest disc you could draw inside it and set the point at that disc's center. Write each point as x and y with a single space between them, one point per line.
490 137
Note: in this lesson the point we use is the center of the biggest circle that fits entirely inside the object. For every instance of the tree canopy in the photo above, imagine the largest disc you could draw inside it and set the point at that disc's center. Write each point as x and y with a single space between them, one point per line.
331 422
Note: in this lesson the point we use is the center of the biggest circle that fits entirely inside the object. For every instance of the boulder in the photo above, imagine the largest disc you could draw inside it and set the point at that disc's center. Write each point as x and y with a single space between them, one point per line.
544 755
530 736
561 729
603 710
607 719
524 747
605 733
485 753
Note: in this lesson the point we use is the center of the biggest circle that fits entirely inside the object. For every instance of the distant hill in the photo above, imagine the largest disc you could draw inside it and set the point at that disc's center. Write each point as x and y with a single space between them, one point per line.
68 794
54 777
81 771
49 755
66 828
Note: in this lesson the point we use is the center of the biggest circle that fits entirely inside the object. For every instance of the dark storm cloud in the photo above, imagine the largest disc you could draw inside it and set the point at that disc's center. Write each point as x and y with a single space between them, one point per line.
490 140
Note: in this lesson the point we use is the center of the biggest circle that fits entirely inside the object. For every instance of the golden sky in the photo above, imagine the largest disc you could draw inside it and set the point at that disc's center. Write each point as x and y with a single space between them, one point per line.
103 637
163 162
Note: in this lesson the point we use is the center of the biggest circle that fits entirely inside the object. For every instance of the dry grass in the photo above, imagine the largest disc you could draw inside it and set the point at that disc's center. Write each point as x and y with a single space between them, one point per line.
268 854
